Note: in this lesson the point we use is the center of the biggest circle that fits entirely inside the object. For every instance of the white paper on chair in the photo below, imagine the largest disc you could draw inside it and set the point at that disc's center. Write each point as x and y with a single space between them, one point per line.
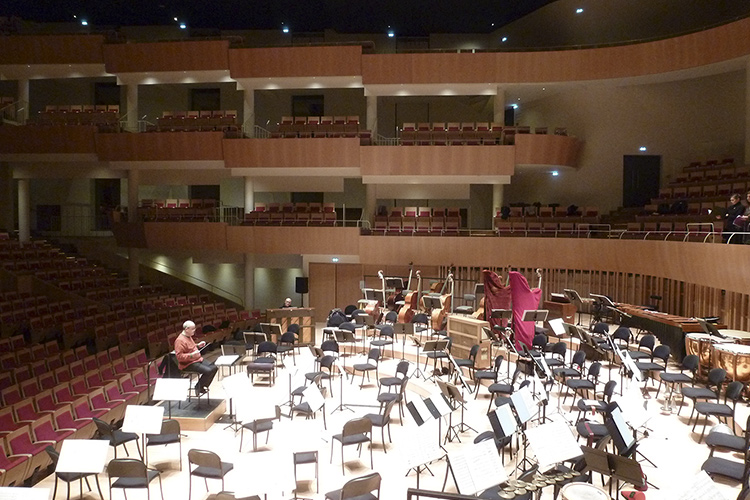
227 359
700 487
590 402
523 402
477 468
87 456
553 443
422 448
313 397
171 389
20 493
143 419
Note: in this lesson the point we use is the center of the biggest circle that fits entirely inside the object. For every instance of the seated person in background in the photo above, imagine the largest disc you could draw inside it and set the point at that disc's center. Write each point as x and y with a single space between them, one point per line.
734 210
287 303
189 357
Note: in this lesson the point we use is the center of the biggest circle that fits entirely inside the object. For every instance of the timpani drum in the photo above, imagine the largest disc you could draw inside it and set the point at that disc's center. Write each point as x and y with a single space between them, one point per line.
702 345
737 336
735 359
582 491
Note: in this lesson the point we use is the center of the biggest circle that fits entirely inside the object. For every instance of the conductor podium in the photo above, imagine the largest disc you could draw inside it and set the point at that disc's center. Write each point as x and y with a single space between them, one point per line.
302 316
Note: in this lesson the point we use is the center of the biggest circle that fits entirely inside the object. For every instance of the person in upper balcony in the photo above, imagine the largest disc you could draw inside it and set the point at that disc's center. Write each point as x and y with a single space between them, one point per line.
734 210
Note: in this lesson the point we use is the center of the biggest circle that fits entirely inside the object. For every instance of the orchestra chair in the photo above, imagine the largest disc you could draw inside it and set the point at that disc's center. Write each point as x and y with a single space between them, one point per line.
257 426
360 488
490 375
116 437
373 357
70 477
170 434
208 465
599 405
131 473
647 342
304 458
395 381
660 353
733 393
384 339
722 438
305 408
228 495
383 420
585 384
357 431
689 364
716 378
399 397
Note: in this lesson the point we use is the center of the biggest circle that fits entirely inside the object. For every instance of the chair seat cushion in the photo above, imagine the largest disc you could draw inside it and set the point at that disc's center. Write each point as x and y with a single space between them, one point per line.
363 367
639 354
726 441
498 388
135 482
599 406
716 409
567 372
579 384
259 367
259 425
675 378
485 374
213 472
352 439
157 439
381 343
306 457
385 397
336 495
698 393
723 467
647 366
591 429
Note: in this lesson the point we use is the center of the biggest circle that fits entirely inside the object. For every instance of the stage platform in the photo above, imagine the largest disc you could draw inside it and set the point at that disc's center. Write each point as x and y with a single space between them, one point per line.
195 416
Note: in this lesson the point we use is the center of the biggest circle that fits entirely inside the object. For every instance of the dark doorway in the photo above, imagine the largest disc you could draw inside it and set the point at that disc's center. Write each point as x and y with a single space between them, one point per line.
307 105
48 217
106 197
640 179
106 93
205 99
307 197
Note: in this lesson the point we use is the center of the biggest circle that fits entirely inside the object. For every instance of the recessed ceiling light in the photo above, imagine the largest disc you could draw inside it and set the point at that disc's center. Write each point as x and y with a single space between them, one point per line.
504 39
642 148
84 22
555 173
579 11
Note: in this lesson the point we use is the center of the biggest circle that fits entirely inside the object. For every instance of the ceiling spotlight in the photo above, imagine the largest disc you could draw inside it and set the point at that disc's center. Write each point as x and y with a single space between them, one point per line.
391 34
334 259
285 29
504 39
579 11
84 22
514 106
642 148
183 26
555 173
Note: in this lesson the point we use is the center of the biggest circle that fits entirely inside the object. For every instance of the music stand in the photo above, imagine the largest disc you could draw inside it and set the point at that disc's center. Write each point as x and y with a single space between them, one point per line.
343 336
395 283
253 339
617 467
171 389
434 347
79 456
405 329
236 387
422 450
535 315
553 443
456 396
476 468
143 420
605 304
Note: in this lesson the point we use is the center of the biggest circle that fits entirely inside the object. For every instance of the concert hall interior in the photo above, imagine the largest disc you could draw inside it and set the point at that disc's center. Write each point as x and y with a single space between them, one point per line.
206 166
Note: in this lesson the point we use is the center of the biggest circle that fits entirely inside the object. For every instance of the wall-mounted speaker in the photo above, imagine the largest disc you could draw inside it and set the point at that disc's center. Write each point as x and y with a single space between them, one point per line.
300 285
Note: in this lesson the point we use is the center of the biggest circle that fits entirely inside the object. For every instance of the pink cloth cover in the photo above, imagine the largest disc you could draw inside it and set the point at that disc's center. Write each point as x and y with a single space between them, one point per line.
524 299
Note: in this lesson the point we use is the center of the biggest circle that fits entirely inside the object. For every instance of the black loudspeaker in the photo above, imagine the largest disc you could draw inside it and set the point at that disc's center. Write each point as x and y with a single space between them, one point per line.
300 285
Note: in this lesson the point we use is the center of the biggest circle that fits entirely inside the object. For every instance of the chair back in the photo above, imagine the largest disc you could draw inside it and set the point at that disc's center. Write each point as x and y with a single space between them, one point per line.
691 362
374 355
361 486
716 377
267 347
601 328
386 331
594 370
126 467
103 427
357 426
329 346
204 458
734 391
647 341
578 358
498 361
609 390
402 368
559 348
170 426
662 353
53 455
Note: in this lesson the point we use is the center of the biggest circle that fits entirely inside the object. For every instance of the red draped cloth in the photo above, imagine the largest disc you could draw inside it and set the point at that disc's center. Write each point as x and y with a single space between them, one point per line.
496 296
524 298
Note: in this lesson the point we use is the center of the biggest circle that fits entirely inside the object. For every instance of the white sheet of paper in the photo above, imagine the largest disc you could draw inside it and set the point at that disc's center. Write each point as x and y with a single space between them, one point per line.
557 326
507 420
422 447
143 419
88 456
422 409
313 397
523 402
441 404
226 359
171 389
540 393
477 467
236 386
20 493
700 487
553 443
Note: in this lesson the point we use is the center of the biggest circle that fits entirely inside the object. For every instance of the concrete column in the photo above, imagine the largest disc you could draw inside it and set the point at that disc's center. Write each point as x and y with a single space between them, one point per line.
747 113
134 176
248 115
24 211
497 197
134 272
499 107
132 106
370 202
23 95
249 194
7 222
372 115
249 281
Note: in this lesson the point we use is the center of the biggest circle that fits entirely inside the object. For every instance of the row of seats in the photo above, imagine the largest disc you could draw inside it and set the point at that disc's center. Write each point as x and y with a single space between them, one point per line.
467 133
178 209
729 172
547 212
290 219
178 203
702 191
691 208
709 164
671 230
299 207
185 121
395 225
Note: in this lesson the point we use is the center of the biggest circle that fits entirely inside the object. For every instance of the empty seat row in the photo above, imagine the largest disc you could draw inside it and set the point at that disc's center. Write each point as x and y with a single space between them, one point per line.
415 226
548 211
290 219
179 203
299 207
184 121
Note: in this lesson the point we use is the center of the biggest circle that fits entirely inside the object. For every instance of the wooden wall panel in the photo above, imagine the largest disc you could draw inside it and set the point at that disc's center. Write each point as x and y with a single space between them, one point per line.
723 43
47 140
296 62
161 146
296 153
293 240
322 286
200 55
186 235
437 160
51 49
535 149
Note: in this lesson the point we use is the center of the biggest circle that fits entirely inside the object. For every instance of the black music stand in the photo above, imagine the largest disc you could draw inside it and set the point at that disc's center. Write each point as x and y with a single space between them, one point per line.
405 329
343 336
366 322
432 302
252 339
434 347
625 441
605 306
535 315
455 396
617 467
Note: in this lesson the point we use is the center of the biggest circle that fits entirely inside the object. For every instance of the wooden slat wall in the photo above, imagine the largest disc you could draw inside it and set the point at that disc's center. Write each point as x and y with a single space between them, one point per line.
296 62
51 49
291 153
428 161
200 55
162 146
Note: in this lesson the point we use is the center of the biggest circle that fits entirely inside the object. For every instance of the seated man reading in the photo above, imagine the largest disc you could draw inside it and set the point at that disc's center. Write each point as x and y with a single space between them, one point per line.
189 357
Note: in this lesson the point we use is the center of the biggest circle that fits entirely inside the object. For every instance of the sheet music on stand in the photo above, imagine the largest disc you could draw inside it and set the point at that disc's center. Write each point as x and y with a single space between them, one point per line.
524 404
553 443
503 421
438 405
540 393
171 389
633 408
227 359
701 487
313 397
419 411
630 365
422 447
22 493
477 468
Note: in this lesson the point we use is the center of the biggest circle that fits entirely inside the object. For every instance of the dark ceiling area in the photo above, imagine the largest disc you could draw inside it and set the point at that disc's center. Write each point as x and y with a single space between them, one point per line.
405 17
